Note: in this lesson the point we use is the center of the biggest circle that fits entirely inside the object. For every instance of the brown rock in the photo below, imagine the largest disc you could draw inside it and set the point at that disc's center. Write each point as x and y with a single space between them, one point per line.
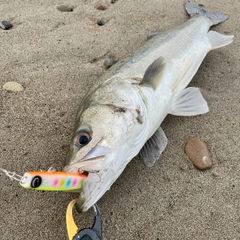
198 153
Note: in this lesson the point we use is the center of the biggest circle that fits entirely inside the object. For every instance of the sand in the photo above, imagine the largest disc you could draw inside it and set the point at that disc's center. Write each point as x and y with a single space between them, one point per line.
57 57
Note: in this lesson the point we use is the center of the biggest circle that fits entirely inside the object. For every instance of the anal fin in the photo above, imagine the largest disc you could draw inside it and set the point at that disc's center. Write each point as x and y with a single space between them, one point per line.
153 148
188 102
218 40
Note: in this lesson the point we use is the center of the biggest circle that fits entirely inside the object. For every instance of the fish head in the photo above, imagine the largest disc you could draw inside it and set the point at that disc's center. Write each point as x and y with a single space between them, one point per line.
98 132
102 145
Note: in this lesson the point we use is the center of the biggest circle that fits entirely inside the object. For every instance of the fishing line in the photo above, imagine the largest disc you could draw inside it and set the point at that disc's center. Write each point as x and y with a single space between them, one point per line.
90 174
12 175
95 174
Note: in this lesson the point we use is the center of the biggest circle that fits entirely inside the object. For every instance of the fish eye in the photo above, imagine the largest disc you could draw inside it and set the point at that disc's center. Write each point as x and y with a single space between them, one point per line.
82 138
36 182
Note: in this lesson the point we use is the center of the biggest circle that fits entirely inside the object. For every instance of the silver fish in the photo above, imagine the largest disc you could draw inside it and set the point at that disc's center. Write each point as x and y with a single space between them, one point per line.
121 115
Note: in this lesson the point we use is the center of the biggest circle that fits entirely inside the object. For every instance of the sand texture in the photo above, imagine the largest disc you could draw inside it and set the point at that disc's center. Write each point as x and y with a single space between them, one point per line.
56 57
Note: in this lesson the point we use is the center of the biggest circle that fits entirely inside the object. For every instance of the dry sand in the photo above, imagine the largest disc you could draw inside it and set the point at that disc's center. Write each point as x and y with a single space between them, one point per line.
56 59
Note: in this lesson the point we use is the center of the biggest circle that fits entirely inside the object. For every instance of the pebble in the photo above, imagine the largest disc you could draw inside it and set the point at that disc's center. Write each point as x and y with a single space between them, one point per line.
198 153
100 6
5 25
13 86
109 62
100 22
152 34
64 8
113 1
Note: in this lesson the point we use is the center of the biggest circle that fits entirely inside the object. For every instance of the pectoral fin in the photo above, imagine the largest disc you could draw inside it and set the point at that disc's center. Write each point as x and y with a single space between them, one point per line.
188 102
154 73
153 148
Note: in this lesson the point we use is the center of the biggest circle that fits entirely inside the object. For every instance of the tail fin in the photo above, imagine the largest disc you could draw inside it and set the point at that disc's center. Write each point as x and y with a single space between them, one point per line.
193 10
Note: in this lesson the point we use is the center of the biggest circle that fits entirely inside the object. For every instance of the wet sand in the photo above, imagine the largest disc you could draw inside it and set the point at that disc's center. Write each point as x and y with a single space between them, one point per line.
57 57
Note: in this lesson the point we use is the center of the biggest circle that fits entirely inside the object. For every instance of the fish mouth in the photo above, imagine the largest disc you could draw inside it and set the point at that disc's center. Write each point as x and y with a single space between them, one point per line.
91 162
88 165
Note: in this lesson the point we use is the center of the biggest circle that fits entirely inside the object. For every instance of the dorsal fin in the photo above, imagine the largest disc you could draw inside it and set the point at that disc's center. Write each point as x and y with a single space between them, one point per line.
154 73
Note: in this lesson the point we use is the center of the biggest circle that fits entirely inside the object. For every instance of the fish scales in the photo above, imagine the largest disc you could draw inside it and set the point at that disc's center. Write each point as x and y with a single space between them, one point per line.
121 115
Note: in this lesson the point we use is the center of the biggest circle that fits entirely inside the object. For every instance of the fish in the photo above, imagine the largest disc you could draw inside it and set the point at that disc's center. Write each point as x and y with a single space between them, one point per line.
121 115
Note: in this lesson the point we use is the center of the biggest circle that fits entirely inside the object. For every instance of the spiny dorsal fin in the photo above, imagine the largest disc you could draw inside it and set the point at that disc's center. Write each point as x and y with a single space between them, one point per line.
154 73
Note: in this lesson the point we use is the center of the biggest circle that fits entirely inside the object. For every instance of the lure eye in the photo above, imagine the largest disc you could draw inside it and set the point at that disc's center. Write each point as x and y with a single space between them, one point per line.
36 182
82 138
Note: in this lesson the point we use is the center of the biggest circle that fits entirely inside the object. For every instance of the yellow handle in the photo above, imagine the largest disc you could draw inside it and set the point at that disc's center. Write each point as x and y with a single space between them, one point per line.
72 229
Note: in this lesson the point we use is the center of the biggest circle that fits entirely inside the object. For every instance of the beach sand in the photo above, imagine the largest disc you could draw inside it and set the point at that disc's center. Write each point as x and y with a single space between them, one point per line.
57 56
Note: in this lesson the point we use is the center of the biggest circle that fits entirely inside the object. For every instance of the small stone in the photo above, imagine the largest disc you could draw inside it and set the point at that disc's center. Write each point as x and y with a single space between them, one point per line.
13 86
113 1
109 62
64 8
100 6
198 153
5 25
152 34
100 22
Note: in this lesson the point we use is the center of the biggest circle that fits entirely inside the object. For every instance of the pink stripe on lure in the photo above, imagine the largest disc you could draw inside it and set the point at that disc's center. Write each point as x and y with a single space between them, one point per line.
55 182
74 183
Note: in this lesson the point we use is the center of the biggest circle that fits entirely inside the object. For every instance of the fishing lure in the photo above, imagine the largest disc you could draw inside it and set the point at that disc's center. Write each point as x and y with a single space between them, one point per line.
49 180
